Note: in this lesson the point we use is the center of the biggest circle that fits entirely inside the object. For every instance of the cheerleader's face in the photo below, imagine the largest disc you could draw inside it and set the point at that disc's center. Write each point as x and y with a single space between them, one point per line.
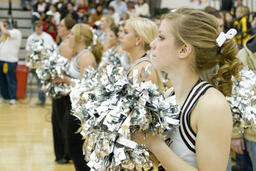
103 23
111 38
164 49
62 29
128 38
120 32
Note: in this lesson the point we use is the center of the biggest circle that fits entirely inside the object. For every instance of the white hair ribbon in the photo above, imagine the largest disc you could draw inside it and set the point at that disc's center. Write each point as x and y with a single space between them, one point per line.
224 36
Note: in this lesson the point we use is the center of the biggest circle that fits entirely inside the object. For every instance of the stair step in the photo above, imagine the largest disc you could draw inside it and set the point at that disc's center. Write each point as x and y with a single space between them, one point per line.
16 14
14 5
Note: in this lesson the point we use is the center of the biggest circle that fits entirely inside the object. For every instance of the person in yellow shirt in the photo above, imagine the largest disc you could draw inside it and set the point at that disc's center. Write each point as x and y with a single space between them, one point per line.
242 25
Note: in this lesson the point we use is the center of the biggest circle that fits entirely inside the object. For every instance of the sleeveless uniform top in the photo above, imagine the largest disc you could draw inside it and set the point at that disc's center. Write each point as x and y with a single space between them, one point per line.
73 69
182 139
142 59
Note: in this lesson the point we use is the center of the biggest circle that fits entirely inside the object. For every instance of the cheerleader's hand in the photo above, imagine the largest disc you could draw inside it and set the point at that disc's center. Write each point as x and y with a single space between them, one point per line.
149 139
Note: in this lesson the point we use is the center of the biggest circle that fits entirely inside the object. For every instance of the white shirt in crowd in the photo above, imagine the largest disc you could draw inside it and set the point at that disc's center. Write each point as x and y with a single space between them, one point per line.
56 16
120 8
142 10
9 46
47 38
116 17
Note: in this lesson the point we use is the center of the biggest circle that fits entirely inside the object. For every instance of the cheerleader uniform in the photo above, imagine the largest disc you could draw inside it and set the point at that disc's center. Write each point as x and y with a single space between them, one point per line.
182 139
75 142
60 108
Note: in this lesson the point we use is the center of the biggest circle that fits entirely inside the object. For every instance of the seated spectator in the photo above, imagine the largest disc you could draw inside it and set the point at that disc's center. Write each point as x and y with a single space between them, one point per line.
142 9
111 12
131 10
82 8
97 15
85 19
52 31
119 6
41 6
68 11
56 15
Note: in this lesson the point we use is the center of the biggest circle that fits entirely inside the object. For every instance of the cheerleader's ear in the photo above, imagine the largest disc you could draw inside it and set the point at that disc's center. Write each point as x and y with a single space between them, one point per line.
185 51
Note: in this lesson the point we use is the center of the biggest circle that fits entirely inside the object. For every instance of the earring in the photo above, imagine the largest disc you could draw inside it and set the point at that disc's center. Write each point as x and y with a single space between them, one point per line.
136 43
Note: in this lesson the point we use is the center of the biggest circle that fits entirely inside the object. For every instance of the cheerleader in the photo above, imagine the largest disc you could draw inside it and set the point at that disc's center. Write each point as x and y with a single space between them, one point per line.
61 105
185 47
88 52
135 40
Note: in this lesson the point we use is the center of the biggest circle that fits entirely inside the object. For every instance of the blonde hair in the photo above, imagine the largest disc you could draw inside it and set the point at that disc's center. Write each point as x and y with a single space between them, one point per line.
199 29
148 31
110 20
145 28
84 30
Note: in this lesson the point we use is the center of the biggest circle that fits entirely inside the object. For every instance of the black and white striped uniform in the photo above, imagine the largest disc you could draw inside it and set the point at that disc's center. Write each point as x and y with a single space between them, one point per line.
182 140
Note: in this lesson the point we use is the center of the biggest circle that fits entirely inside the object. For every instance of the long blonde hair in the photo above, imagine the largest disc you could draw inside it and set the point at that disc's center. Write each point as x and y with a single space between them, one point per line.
84 30
199 29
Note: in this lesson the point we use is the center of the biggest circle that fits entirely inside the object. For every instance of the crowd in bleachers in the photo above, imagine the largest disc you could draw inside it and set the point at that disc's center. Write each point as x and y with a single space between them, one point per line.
50 13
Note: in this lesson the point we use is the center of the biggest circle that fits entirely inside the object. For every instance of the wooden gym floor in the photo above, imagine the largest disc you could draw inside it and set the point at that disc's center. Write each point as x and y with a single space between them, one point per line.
26 138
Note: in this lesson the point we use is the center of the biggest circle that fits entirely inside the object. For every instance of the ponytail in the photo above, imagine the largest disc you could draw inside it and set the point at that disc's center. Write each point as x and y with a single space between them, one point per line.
229 65
97 51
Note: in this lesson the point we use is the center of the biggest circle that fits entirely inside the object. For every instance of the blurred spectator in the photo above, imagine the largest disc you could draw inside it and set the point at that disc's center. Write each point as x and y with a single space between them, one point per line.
26 4
60 4
10 42
41 6
52 31
68 11
56 15
111 12
82 8
131 10
242 25
238 3
85 19
228 20
48 43
97 15
119 6
142 9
